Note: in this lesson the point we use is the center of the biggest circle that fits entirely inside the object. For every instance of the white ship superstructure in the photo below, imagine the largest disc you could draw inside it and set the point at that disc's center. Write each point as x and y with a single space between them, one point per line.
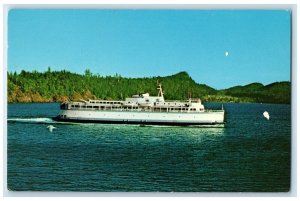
140 109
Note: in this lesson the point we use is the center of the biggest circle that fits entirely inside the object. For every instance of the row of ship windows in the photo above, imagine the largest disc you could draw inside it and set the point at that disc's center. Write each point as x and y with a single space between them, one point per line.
168 104
105 102
97 107
156 109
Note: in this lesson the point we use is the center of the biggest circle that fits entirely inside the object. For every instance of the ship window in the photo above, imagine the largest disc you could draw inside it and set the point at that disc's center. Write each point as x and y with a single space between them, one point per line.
96 107
89 106
77 106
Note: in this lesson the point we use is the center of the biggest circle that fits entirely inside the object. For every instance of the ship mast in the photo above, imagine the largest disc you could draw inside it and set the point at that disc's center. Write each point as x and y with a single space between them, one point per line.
160 91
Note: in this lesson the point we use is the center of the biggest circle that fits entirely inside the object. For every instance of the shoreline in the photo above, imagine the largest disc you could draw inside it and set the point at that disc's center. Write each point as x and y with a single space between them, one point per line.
214 102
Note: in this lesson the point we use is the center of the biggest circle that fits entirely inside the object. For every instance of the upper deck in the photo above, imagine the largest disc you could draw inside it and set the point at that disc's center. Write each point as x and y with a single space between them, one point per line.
141 102
168 106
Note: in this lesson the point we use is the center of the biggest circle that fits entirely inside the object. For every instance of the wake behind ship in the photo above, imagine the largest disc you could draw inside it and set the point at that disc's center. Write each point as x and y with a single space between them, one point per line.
141 109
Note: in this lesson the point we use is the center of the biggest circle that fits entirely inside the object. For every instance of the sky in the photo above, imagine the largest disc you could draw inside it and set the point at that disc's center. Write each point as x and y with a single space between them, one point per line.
146 43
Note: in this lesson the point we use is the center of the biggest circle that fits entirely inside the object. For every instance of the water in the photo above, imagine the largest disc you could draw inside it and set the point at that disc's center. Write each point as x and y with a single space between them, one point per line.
251 154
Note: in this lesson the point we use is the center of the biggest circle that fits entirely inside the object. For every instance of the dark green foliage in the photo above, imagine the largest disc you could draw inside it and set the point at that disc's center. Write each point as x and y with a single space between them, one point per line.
277 92
53 85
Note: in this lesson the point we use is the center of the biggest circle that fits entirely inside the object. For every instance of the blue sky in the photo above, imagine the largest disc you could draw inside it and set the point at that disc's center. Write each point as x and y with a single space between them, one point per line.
143 43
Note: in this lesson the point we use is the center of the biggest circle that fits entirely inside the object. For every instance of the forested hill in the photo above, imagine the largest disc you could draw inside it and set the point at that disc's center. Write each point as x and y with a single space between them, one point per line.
58 86
277 92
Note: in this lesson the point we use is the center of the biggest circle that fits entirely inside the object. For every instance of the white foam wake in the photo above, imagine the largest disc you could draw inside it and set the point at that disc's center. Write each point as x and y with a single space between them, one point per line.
31 120
36 120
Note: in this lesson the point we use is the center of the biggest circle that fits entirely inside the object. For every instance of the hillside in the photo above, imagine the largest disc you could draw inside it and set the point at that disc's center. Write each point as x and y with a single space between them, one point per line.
57 86
277 92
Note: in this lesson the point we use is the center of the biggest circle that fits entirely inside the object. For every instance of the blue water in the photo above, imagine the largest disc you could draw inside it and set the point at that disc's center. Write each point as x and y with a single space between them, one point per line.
251 154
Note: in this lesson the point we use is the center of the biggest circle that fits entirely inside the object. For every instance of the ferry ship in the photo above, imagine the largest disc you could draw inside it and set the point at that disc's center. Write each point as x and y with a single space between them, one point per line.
141 109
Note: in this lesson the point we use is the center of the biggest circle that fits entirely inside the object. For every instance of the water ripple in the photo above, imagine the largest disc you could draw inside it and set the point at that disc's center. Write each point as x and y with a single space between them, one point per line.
248 155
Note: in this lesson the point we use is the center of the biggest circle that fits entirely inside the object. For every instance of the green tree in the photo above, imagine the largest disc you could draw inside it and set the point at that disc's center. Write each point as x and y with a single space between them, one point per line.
87 73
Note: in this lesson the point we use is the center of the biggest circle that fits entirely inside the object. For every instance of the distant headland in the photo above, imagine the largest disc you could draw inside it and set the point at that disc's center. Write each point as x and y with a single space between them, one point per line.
58 86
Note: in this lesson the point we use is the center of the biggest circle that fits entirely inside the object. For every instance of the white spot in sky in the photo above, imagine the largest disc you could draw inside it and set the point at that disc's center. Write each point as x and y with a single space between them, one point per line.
226 54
